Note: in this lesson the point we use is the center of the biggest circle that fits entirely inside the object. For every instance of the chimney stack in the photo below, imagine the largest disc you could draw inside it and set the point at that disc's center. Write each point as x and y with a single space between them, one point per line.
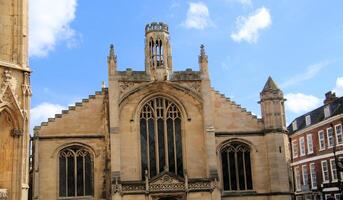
329 97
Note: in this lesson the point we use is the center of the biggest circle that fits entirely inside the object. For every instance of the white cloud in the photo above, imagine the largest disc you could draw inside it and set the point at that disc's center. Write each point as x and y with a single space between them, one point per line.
339 86
198 16
43 111
50 23
311 71
248 28
243 2
299 103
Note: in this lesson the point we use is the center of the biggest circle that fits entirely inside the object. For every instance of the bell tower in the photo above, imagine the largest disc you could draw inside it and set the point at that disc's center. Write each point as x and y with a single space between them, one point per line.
158 59
15 95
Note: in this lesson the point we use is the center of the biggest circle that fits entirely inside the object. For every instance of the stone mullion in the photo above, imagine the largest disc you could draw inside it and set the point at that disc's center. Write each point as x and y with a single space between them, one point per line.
228 167
166 152
244 172
157 155
236 169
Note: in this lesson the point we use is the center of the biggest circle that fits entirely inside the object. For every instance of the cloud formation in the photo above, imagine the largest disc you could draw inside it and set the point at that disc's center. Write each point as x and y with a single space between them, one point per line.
339 86
299 103
43 111
50 23
311 71
243 2
198 16
248 28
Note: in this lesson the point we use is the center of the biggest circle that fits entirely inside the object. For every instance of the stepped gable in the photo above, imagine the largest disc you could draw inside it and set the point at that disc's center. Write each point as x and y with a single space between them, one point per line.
70 109
253 123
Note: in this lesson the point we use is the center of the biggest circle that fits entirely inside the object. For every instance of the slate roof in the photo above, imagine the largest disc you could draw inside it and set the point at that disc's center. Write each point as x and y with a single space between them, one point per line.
270 85
317 115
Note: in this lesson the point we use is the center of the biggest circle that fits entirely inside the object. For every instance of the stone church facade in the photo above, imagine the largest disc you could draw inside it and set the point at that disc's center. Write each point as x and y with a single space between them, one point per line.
160 134
15 93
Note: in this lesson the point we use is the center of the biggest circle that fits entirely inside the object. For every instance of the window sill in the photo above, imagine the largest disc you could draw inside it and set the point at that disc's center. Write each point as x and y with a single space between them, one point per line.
76 198
238 193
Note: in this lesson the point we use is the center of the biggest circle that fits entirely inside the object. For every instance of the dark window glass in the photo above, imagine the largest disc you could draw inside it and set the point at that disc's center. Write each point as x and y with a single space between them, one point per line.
171 146
163 137
62 176
241 171
75 172
71 176
89 176
178 146
233 173
248 170
225 170
143 147
80 176
161 152
153 170
236 166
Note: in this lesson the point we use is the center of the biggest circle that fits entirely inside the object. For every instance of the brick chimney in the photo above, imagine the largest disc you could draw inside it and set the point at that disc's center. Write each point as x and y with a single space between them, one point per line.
329 97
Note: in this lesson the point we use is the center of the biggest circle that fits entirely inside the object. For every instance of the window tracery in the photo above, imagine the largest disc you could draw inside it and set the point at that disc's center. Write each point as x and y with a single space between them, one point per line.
236 167
161 142
75 172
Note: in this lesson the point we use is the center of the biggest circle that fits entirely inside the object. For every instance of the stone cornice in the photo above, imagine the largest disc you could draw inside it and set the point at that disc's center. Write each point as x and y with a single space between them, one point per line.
13 66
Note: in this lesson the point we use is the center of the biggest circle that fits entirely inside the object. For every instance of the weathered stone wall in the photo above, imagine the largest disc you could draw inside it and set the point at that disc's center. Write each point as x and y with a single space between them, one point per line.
192 129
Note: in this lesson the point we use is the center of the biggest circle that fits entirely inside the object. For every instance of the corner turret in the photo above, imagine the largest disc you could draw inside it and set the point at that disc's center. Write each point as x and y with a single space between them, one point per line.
272 106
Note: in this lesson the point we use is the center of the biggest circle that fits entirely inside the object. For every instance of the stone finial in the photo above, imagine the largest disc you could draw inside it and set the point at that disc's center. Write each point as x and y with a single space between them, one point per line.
103 85
203 56
202 50
112 52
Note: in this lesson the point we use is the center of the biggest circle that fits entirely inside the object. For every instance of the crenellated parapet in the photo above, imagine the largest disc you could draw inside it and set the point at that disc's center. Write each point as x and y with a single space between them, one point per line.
156 26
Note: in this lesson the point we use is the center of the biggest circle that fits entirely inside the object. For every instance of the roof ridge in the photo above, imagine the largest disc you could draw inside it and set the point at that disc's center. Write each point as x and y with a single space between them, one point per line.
67 111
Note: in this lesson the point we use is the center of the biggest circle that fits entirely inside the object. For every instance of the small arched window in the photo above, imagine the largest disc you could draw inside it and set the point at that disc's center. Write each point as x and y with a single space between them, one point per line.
236 167
75 172
161 142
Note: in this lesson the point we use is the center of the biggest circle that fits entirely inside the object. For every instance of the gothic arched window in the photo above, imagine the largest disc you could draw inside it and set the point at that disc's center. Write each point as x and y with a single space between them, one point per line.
161 142
236 166
75 172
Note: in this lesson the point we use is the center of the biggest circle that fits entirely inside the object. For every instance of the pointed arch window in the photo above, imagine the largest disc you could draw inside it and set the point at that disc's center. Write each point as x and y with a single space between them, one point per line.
236 167
156 52
161 142
75 172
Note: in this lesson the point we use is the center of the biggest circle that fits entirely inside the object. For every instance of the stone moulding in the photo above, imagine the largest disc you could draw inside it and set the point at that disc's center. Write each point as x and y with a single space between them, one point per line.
164 183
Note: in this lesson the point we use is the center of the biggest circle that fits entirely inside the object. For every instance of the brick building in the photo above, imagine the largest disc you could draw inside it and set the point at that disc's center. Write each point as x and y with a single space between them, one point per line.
313 137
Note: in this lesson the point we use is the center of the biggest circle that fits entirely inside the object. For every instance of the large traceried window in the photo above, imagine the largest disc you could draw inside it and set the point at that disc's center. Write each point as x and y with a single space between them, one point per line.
75 172
161 142
236 166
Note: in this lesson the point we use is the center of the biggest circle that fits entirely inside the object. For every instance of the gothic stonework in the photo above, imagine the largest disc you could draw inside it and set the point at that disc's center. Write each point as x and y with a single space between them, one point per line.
14 104
163 134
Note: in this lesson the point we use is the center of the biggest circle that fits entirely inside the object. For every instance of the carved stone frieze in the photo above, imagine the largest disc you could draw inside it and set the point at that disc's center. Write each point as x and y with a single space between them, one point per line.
164 183
125 86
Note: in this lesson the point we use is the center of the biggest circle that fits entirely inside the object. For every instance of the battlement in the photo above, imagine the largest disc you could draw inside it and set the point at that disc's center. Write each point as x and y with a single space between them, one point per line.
156 27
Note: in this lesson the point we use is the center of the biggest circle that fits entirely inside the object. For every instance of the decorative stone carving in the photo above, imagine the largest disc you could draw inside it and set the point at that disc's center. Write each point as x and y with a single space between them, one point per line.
3 194
165 182
9 80
16 132
126 86
26 86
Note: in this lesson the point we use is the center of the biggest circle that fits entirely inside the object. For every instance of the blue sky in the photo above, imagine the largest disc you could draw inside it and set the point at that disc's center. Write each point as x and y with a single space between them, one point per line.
298 43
